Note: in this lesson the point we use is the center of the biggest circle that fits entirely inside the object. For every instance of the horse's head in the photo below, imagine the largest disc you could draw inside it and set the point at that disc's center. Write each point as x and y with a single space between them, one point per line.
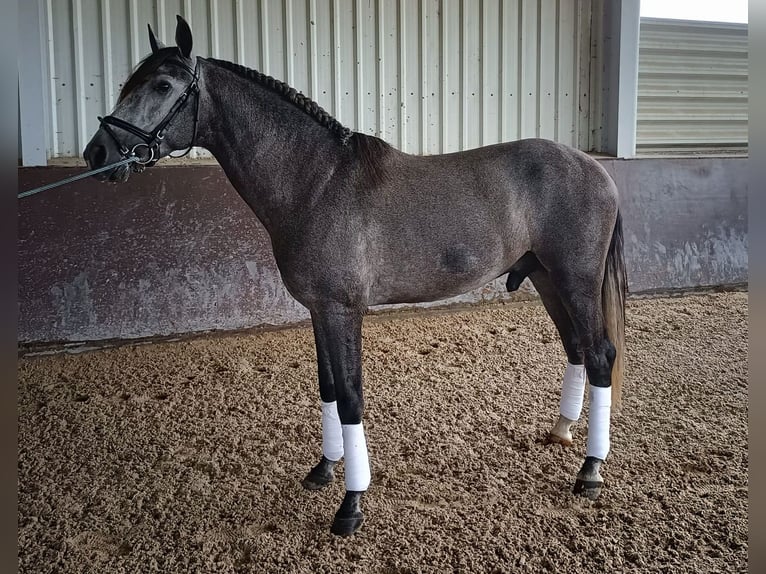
156 112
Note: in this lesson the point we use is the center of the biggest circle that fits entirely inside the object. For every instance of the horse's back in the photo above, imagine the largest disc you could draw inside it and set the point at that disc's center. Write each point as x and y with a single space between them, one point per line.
504 174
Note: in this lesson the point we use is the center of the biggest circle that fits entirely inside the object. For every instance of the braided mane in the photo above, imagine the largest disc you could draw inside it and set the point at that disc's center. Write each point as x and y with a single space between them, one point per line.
370 150
291 95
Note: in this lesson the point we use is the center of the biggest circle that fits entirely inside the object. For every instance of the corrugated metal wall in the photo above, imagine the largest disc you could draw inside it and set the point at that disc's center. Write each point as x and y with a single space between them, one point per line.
692 86
428 76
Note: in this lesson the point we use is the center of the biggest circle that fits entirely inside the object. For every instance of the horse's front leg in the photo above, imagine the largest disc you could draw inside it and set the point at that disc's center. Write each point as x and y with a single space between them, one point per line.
338 332
332 434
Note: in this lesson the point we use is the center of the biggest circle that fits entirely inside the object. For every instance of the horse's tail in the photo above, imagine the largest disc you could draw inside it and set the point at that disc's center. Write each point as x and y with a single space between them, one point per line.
613 293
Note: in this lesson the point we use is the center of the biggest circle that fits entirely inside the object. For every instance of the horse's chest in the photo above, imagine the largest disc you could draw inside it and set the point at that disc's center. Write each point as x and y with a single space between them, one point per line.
322 268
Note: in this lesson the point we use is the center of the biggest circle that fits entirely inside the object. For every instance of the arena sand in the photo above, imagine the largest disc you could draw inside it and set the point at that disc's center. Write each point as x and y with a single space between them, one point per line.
188 456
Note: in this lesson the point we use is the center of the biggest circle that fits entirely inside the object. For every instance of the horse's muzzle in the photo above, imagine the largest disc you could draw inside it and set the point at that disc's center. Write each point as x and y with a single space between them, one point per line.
97 155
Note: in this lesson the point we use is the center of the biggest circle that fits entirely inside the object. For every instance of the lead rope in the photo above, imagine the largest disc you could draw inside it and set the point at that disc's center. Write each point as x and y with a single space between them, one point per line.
76 177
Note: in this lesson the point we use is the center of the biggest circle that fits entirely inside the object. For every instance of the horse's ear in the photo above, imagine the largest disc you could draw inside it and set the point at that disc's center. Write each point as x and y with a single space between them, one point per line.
183 37
153 42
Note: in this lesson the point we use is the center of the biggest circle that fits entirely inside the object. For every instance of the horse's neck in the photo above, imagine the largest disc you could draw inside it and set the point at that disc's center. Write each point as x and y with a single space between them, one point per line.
276 156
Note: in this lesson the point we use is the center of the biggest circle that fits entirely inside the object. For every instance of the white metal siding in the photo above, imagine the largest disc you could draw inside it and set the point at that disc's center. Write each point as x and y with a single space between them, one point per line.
428 76
692 86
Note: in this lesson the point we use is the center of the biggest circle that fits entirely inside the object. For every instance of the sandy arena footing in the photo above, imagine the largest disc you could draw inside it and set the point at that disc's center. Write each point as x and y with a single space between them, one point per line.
188 456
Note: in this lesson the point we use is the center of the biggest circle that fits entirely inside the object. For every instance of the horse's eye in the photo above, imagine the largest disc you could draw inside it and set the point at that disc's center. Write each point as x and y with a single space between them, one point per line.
163 88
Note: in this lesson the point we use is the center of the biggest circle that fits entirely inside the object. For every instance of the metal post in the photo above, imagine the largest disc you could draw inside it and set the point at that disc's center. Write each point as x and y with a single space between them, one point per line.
621 29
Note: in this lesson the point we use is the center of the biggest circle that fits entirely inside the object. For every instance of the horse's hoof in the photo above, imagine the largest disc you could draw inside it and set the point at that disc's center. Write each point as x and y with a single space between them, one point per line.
563 441
349 517
320 476
561 432
590 489
346 526
589 482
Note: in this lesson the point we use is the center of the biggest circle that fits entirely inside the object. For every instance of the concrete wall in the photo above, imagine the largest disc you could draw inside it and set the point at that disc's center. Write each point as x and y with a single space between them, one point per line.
685 221
177 251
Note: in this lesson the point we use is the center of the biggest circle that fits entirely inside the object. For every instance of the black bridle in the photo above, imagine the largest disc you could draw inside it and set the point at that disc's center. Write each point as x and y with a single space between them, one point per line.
152 140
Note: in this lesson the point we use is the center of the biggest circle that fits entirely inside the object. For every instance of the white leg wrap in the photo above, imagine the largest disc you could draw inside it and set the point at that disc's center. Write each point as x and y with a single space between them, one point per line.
332 435
598 422
572 391
357 464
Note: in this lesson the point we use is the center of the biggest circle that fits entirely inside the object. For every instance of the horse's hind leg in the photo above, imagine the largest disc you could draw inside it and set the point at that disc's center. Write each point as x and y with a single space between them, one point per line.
578 284
573 385
332 435
581 296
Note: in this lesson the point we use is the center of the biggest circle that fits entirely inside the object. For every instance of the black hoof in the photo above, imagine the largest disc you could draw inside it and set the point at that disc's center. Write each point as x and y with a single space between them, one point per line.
349 517
589 482
588 488
320 476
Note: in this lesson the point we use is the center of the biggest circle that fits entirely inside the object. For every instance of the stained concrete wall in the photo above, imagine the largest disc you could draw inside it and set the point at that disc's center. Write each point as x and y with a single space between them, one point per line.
685 221
177 251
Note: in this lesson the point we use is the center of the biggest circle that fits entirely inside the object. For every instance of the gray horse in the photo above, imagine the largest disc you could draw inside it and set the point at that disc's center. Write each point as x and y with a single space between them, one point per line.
354 223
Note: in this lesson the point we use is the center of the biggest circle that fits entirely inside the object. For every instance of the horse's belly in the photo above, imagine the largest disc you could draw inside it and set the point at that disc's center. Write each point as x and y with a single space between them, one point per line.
455 271
434 251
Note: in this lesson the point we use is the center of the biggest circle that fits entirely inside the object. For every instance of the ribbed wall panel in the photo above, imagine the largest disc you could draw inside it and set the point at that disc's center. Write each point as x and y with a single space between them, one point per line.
428 76
692 86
